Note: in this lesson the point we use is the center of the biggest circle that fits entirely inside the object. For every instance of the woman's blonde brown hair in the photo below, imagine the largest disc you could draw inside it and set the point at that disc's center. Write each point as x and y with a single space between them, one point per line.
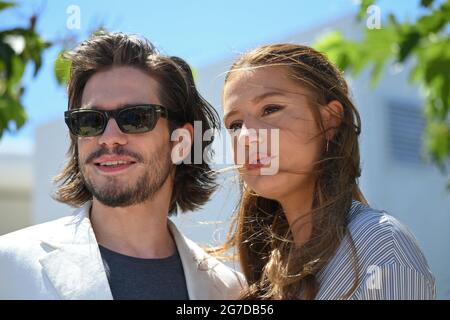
273 266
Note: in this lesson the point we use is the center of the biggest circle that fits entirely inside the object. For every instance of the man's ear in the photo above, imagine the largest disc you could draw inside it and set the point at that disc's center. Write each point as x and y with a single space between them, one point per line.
182 139
332 115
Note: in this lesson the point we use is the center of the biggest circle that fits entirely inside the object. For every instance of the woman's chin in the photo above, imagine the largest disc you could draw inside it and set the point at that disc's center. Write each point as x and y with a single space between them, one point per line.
264 187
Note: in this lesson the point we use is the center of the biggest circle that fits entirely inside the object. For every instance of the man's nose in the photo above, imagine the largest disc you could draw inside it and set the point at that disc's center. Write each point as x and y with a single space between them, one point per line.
112 135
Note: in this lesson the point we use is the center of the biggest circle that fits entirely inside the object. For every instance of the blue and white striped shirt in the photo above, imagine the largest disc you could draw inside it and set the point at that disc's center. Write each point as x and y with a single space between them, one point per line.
391 264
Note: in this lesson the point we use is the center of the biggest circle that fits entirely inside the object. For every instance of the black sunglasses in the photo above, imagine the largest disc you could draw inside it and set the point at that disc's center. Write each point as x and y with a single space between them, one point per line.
130 119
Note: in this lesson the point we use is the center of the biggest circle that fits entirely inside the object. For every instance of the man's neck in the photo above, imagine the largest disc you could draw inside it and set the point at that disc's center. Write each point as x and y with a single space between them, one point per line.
139 231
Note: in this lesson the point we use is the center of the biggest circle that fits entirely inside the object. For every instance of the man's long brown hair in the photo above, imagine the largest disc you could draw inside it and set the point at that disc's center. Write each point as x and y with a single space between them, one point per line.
193 183
273 266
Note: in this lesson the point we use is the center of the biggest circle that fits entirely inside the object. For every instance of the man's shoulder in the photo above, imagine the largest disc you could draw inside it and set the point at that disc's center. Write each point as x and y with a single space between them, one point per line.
21 251
26 237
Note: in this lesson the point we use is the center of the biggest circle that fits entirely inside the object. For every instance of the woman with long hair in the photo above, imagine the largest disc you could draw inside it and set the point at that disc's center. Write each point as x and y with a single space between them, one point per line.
305 230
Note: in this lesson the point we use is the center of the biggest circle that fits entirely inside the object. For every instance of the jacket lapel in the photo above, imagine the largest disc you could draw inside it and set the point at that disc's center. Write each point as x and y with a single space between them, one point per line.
201 280
73 263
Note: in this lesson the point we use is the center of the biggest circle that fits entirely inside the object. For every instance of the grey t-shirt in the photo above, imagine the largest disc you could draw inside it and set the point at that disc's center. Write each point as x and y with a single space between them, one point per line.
133 278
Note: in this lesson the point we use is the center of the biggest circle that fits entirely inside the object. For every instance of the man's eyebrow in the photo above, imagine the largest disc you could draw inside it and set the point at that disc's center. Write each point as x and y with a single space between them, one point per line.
88 106
119 107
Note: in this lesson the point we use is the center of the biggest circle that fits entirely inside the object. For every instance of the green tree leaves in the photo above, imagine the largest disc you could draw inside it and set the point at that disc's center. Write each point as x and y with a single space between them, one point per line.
62 68
18 47
427 42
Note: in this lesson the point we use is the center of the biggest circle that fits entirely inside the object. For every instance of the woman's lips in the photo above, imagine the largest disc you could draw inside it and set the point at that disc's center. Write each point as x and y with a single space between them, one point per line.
265 160
258 162
253 166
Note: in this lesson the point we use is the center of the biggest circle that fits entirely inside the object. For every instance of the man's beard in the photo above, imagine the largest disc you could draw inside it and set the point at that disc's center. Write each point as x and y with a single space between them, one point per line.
116 194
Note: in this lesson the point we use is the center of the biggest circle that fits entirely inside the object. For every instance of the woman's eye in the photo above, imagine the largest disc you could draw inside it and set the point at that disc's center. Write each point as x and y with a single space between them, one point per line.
271 109
235 126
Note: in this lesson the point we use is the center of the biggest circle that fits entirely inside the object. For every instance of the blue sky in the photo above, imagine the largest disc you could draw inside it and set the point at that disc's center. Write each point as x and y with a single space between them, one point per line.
200 31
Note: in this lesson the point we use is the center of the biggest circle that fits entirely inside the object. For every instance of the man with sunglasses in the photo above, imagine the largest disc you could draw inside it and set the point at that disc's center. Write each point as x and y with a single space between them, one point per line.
125 101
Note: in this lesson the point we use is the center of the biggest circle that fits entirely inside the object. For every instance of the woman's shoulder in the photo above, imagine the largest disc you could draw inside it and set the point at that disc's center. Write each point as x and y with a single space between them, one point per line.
382 239
365 221
389 260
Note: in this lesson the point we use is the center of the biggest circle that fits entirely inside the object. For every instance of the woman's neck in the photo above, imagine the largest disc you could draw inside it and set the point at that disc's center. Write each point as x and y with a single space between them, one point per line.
297 209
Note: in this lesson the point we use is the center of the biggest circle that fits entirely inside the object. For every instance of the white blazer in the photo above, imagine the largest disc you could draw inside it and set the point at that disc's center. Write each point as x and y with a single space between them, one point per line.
60 259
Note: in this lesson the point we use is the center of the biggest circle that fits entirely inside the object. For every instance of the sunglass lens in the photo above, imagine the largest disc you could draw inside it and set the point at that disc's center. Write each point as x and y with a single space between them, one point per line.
136 120
87 124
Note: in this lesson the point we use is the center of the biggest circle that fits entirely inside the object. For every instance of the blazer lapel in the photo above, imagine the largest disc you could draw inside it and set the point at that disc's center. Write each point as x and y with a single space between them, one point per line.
201 280
73 263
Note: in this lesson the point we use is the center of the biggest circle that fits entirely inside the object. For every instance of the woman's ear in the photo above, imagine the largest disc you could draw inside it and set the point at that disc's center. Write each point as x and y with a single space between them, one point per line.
182 139
332 115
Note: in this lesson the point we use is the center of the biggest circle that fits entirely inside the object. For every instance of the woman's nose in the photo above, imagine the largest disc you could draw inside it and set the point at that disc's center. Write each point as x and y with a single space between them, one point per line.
252 133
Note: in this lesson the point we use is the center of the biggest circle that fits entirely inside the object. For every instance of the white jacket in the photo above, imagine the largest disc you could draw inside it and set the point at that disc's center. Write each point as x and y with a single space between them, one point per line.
60 259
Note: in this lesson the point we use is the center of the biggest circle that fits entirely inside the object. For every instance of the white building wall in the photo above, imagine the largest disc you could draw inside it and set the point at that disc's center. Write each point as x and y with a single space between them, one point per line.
16 179
52 142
